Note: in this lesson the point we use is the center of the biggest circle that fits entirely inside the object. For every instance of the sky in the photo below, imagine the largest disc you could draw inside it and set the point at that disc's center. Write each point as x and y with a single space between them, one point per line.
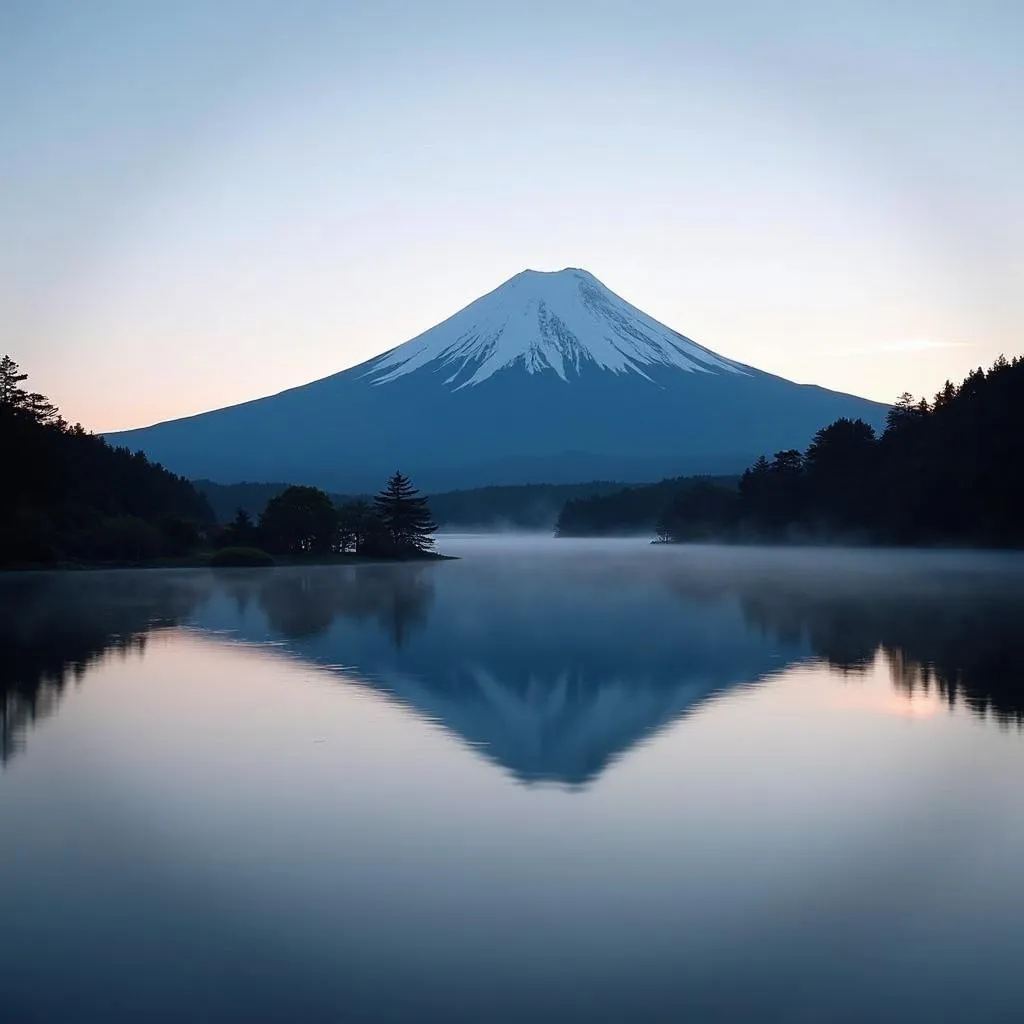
204 202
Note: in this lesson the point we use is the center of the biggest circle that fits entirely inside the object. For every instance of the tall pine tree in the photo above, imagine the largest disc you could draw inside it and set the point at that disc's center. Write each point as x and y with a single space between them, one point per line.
405 516
12 395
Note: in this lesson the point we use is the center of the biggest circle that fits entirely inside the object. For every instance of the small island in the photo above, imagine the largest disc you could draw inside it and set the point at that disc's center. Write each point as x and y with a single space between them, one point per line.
304 524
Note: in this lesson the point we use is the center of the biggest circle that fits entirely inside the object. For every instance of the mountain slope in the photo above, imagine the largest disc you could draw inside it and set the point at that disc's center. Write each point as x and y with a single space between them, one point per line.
551 377
559 322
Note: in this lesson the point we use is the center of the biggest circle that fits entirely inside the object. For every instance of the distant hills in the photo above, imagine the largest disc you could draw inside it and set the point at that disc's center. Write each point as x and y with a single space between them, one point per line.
519 507
627 511
550 378
596 508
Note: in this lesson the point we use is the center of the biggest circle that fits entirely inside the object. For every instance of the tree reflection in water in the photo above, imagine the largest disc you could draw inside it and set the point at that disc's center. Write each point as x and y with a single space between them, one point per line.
300 603
559 646
963 641
53 626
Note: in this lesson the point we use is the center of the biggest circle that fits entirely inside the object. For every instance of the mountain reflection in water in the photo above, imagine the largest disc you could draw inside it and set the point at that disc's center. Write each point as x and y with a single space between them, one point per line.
552 661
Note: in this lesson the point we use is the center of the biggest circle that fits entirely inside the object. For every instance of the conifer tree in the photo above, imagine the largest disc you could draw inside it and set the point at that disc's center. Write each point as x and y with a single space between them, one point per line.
405 516
241 531
12 395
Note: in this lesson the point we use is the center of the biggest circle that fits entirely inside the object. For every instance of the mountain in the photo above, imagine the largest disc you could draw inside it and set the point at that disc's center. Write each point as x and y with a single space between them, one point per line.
549 378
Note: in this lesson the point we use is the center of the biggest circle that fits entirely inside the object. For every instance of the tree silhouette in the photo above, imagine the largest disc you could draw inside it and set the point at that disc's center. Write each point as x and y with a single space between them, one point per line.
12 395
67 494
941 473
241 532
302 521
356 524
613 511
700 512
838 454
405 516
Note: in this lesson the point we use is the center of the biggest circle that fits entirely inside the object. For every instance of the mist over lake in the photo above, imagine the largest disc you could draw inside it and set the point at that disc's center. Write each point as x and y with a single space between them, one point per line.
551 780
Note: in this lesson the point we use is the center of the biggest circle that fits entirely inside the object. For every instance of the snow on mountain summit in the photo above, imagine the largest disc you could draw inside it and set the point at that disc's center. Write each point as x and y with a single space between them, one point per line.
556 321
481 399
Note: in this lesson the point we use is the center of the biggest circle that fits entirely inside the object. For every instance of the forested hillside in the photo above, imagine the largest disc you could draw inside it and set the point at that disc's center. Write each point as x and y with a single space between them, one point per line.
949 471
70 496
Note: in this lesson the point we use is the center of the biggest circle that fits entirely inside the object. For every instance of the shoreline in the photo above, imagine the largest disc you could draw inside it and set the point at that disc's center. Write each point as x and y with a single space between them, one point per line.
202 562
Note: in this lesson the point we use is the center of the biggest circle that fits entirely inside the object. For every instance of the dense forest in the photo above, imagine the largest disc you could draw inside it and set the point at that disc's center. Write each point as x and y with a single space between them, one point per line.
628 510
949 471
70 496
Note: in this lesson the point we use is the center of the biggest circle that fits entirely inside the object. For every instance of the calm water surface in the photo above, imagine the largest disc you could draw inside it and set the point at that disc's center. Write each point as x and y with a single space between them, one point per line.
551 781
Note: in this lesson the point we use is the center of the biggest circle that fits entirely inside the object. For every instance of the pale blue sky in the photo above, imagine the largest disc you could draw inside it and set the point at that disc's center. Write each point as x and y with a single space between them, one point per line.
204 202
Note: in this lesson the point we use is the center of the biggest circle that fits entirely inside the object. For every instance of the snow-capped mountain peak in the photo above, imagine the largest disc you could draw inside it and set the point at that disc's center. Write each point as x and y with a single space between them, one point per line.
481 399
558 322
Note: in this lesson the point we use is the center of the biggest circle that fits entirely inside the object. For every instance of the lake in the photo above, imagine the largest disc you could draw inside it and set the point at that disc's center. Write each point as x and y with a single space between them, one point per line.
552 780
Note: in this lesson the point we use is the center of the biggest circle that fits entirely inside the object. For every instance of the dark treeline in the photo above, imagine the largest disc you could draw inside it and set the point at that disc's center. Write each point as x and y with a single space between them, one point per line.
70 497
250 497
517 507
950 471
67 495
304 522
629 510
